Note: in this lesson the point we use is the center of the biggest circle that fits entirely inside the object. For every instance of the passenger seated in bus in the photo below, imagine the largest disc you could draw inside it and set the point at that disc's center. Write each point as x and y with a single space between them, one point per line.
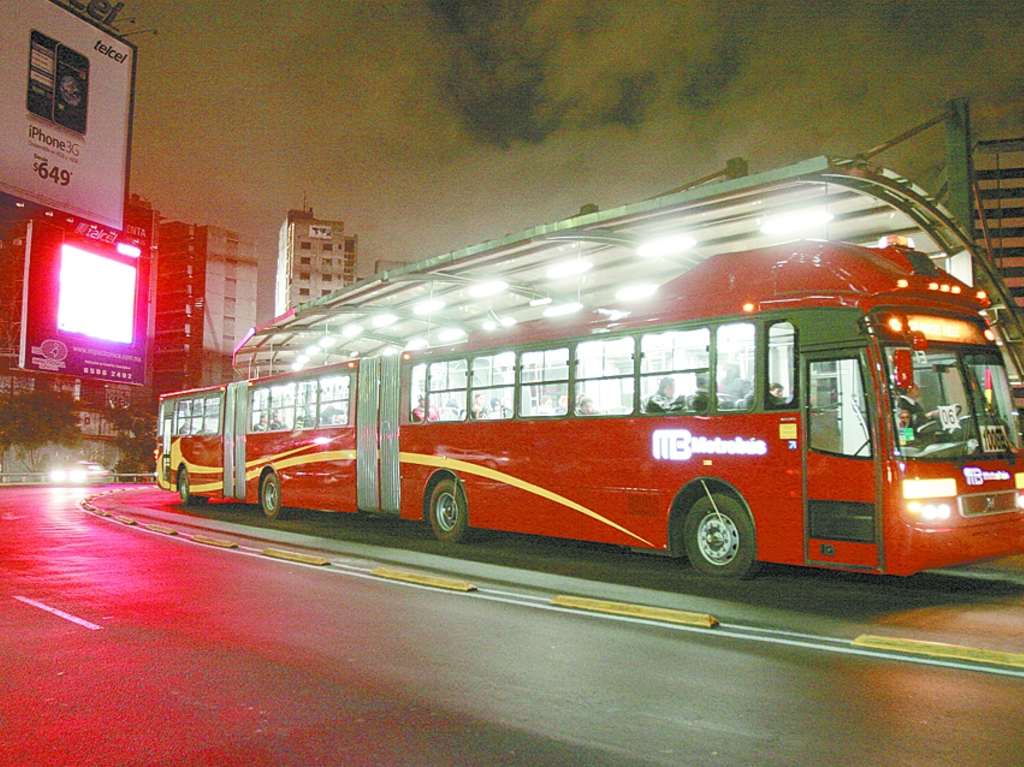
498 410
331 416
422 412
261 425
275 424
699 402
586 407
777 395
480 410
664 400
305 420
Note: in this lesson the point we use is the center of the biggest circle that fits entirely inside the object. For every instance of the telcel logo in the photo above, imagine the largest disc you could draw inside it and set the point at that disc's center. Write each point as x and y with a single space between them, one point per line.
681 445
977 476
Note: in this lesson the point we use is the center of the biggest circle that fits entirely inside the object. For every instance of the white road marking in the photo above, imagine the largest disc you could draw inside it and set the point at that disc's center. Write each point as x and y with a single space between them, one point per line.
60 613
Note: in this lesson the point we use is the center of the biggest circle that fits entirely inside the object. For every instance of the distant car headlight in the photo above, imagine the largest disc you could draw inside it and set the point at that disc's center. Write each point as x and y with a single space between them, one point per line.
77 475
58 475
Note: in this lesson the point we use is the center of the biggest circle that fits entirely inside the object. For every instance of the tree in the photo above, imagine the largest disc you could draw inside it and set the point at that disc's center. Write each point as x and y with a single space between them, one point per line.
135 437
32 420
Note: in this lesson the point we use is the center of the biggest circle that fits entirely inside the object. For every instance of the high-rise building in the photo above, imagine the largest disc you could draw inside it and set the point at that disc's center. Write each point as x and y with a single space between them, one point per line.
999 224
314 258
206 302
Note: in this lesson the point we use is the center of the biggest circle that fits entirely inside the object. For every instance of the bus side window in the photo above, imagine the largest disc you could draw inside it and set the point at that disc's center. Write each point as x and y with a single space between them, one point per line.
780 388
674 371
419 410
493 387
334 399
448 386
545 383
183 417
604 377
211 415
735 369
282 407
259 409
305 404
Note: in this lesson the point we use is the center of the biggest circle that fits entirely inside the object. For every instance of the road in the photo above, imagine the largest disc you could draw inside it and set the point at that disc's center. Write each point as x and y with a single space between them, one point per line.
166 651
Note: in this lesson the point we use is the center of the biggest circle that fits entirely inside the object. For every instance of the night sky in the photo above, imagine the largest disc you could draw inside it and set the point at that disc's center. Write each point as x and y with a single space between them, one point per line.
429 125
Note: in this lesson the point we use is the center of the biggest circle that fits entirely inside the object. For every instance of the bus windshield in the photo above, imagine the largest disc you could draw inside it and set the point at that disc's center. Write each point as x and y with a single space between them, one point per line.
958 405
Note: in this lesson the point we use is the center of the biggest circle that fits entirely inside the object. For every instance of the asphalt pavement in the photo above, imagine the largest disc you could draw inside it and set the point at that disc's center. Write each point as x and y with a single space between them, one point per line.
129 646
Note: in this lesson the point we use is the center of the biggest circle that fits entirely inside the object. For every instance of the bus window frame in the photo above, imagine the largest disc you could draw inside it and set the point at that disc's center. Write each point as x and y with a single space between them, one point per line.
794 395
860 354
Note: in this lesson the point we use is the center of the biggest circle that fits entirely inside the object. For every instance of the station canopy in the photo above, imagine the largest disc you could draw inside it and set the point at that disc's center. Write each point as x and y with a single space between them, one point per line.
604 261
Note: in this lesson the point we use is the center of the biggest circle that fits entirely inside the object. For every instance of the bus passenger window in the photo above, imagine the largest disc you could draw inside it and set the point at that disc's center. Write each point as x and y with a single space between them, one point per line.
837 414
211 415
780 388
259 410
447 390
604 377
183 417
545 383
674 371
305 405
735 369
282 407
334 399
493 384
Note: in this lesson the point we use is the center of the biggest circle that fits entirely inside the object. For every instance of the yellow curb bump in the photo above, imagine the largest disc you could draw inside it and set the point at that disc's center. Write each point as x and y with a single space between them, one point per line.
423 580
294 556
664 614
101 513
941 650
219 542
125 520
160 528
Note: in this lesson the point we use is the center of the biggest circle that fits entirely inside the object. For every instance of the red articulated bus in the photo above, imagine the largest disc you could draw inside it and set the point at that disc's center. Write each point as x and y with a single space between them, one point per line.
815 403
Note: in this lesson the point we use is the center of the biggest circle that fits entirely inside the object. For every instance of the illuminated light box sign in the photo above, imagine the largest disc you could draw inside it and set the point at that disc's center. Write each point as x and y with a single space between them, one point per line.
84 307
682 445
83 277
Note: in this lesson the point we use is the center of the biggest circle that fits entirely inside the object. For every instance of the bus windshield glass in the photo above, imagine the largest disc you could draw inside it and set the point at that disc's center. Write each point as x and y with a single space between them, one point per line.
958 405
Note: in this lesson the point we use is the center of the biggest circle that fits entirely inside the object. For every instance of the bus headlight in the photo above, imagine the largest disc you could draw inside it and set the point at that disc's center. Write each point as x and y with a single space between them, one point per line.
1020 500
929 510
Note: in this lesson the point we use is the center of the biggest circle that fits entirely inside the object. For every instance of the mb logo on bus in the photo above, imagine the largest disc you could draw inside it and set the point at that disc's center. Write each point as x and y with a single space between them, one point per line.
681 445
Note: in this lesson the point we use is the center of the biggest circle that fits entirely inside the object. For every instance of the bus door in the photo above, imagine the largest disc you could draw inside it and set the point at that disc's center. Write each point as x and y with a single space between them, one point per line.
167 416
377 478
840 486
236 421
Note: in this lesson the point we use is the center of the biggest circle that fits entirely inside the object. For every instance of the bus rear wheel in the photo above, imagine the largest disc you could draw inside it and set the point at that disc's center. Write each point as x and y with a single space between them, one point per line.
449 518
719 538
270 496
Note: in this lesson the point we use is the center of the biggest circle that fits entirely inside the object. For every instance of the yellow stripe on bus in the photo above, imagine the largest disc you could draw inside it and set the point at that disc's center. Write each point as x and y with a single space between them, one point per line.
441 461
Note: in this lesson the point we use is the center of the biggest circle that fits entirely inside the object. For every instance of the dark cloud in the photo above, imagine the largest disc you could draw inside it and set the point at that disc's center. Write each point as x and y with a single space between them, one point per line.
429 125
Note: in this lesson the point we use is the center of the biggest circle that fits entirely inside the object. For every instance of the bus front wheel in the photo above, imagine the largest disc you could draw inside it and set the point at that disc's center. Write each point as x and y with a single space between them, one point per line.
719 537
448 516
184 487
270 496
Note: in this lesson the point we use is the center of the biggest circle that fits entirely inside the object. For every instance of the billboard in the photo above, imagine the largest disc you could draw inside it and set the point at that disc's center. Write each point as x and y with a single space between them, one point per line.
85 304
65 111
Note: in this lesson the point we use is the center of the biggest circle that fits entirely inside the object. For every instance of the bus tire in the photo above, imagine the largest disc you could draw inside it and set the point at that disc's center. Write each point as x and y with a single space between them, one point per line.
719 537
270 496
449 518
185 488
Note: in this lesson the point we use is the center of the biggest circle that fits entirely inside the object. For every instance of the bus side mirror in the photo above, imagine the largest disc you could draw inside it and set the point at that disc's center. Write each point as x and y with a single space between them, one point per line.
903 368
